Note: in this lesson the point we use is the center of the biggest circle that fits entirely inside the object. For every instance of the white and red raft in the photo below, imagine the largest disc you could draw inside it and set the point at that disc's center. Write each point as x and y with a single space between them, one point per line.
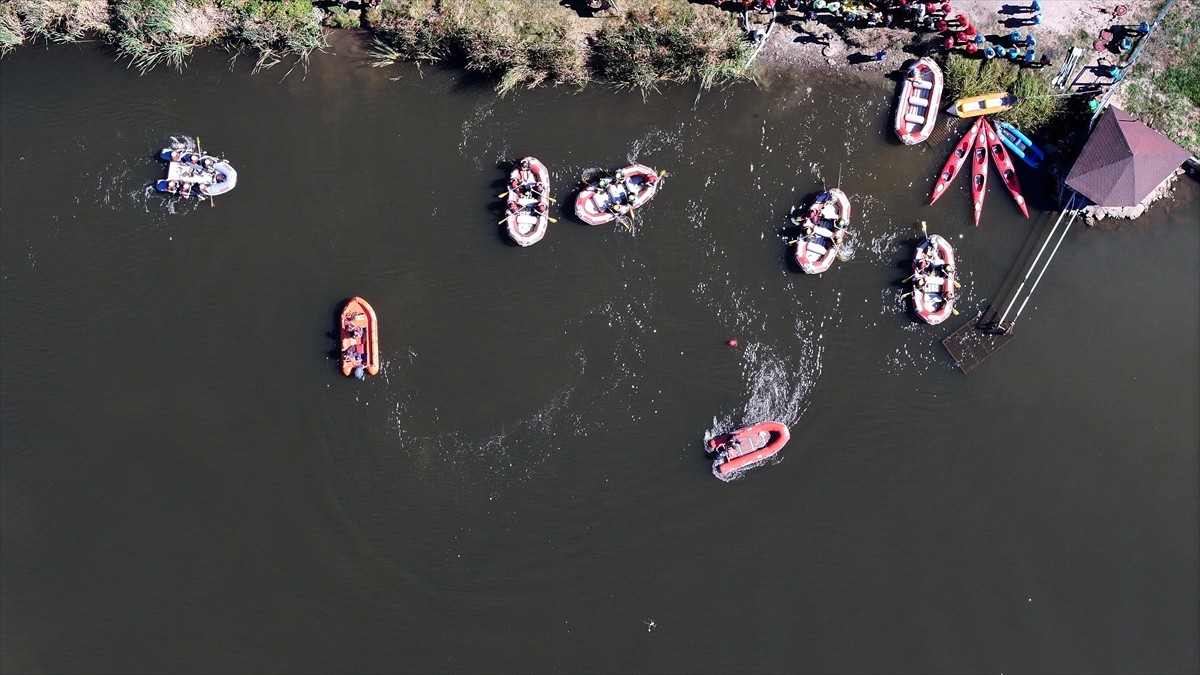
611 197
528 208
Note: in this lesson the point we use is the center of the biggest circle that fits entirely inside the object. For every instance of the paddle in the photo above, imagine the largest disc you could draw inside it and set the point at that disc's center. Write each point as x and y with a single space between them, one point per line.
923 229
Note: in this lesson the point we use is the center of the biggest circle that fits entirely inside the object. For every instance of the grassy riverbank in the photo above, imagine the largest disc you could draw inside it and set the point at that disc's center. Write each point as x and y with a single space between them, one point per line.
518 42
1163 88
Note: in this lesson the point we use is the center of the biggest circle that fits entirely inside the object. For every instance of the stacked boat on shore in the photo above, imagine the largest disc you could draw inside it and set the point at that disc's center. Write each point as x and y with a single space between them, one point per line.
977 144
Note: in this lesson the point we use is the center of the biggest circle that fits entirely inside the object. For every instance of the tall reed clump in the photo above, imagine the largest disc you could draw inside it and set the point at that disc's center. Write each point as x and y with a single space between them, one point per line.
277 29
1037 102
670 42
410 30
145 32
51 20
520 43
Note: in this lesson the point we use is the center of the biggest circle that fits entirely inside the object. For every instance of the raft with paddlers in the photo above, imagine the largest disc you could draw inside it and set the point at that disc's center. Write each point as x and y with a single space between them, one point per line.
984 104
527 213
1004 164
825 225
1019 144
934 279
359 331
979 162
612 196
920 96
748 446
962 152
191 173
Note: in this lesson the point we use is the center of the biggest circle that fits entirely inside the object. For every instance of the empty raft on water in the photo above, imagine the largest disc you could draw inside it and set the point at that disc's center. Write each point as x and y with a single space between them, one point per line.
610 197
920 96
824 227
528 210
359 331
747 446
984 104
934 275
1020 145
190 173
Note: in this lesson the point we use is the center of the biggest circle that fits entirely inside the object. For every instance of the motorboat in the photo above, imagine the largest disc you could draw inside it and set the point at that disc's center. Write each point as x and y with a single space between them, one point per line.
359 331
747 447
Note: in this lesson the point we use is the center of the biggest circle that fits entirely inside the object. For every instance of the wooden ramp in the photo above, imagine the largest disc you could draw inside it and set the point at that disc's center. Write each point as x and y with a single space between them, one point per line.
976 340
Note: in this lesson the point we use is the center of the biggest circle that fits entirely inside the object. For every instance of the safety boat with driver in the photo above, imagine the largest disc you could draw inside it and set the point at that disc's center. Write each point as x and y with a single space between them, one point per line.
191 173
934 278
920 96
610 197
824 228
528 211
748 446
359 332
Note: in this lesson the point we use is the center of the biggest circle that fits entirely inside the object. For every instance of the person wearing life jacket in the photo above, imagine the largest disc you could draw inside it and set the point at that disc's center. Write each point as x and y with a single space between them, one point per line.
515 185
513 208
540 208
176 155
186 191
172 186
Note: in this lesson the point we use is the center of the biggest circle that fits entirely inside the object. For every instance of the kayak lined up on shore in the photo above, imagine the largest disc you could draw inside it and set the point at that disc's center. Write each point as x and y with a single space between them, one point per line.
980 141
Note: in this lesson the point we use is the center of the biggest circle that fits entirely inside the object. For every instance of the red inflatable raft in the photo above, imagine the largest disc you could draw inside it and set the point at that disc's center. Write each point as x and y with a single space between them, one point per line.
360 339
920 97
824 227
934 277
528 210
747 446
610 197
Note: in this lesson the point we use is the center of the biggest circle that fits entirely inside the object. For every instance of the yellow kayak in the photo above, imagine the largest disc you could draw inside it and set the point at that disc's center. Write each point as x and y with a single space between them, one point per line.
984 104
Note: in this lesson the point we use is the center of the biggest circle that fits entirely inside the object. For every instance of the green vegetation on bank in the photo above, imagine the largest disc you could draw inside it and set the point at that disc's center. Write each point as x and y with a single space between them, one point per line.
1163 87
1037 102
516 42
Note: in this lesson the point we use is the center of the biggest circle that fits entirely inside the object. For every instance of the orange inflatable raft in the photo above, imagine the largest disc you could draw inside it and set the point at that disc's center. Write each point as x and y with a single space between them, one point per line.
748 446
360 339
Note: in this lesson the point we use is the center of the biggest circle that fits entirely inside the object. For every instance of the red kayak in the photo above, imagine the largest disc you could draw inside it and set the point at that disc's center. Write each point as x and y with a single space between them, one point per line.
606 199
1004 164
954 163
748 446
528 210
933 280
979 163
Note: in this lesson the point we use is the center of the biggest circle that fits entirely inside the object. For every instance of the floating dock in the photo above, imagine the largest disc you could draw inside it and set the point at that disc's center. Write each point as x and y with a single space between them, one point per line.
976 340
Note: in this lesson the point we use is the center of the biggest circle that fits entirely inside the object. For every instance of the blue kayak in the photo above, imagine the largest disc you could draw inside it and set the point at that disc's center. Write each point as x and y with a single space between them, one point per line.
1019 144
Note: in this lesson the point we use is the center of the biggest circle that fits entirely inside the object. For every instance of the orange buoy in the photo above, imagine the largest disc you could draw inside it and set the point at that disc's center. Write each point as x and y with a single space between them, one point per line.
732 343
